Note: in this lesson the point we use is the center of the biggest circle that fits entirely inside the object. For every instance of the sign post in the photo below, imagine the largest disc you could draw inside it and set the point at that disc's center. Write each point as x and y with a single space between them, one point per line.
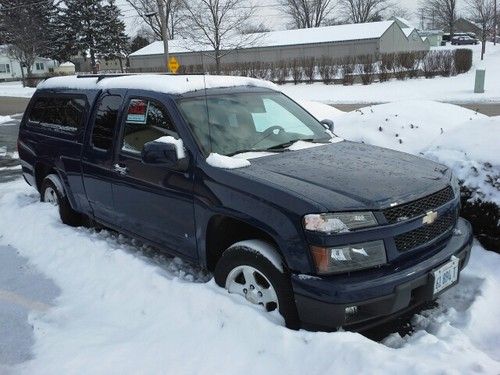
173 65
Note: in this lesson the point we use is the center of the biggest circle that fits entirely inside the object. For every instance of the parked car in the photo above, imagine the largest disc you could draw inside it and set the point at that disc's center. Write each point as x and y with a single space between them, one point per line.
464 40
233 175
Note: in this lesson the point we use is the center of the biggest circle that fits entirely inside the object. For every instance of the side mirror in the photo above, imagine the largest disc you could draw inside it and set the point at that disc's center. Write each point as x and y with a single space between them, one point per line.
328 124
165 151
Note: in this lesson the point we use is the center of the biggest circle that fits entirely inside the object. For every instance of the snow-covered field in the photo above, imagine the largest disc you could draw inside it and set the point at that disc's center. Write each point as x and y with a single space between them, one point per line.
123 310
15 89
459 89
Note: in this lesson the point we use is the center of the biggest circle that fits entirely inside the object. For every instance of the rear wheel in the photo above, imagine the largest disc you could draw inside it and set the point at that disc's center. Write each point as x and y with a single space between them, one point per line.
51 192
244 270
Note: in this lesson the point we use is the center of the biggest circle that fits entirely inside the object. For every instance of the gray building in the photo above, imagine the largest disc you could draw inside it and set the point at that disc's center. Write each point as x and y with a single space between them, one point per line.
334 41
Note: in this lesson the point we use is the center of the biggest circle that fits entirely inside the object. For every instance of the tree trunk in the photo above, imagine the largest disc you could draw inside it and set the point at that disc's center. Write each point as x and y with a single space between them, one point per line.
483 48
217 62
121 64
92 61
22 73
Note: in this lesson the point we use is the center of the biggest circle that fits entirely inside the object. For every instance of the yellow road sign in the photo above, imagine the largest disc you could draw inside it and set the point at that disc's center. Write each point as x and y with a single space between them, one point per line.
173 65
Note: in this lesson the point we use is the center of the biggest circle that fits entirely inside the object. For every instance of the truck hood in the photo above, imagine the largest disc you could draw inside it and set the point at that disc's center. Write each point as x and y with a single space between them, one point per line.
350 176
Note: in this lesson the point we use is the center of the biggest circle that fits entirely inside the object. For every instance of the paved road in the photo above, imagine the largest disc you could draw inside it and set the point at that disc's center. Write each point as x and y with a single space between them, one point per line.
9 105
22 290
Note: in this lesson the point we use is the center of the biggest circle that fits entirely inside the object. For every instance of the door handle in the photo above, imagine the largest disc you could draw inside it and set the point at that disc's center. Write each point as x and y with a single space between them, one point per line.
120 169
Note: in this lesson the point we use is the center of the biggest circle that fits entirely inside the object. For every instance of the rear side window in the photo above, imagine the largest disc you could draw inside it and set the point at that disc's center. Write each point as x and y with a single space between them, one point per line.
58 113
105 122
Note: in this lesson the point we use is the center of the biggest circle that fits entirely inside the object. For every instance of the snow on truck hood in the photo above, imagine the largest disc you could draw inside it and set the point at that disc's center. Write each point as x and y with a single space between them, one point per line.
168 84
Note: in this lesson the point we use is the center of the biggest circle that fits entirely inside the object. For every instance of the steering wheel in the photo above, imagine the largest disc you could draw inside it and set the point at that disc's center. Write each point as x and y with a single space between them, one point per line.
268 132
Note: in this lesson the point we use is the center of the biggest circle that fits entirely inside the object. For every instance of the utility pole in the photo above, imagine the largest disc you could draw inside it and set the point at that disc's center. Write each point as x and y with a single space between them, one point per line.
164 32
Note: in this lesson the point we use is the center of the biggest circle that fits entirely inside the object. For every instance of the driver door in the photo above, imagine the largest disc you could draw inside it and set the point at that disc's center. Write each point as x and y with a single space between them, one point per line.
152 202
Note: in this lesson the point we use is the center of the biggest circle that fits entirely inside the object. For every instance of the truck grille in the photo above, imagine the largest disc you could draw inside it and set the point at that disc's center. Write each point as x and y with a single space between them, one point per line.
426 233
419 207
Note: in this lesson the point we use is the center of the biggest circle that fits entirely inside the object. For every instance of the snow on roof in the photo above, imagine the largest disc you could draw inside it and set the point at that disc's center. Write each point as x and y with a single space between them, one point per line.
408 31
67 63
403 22
337 33
170 84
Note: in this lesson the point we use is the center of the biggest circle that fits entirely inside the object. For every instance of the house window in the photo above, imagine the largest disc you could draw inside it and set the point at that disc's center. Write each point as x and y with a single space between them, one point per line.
39 66
4 68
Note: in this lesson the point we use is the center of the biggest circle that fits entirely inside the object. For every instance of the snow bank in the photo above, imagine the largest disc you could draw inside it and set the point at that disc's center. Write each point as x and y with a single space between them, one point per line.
226 162
16 89
4 119
473 151
125 310
170 84
408 126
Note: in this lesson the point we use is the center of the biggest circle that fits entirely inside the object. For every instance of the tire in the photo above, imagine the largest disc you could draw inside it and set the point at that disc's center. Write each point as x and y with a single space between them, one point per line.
238 259
50 193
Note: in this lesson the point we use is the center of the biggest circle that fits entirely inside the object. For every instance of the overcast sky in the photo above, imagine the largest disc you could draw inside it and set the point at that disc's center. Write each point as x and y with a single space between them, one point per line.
268 13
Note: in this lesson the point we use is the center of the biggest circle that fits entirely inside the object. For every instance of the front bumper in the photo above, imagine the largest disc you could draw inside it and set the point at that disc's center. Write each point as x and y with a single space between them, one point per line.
379 295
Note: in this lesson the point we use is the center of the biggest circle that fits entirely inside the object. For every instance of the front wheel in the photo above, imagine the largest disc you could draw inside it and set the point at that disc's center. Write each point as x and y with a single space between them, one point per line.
244 270
51 192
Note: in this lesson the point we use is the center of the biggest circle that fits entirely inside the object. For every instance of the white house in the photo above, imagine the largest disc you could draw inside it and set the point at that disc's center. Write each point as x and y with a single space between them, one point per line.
10 68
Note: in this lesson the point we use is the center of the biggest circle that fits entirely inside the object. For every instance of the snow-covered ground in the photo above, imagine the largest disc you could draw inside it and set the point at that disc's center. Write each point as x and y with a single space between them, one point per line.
4 119
123 310
462 139
15 89
459 89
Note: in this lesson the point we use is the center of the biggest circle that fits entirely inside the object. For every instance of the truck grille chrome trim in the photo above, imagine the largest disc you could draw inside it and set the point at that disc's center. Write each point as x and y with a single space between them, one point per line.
419 207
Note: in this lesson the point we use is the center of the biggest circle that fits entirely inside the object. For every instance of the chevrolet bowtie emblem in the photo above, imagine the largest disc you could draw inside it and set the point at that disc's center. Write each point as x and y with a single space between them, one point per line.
430 217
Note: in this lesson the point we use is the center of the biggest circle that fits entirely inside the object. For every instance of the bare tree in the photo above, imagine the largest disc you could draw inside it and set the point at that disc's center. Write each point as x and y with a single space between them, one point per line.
443 13
482 12
307 13
215 28
148 11
361 11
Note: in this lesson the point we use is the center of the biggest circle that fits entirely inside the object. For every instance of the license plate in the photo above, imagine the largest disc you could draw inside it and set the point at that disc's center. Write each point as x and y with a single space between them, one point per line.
446 275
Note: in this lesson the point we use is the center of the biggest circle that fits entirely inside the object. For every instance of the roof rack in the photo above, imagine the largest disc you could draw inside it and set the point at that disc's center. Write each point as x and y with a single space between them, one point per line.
100 77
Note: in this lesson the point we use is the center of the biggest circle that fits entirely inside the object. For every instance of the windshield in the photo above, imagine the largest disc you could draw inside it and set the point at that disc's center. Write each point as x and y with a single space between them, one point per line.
233 123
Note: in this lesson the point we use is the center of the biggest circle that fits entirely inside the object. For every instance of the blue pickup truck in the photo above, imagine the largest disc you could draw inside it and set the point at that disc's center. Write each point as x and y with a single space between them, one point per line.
231 174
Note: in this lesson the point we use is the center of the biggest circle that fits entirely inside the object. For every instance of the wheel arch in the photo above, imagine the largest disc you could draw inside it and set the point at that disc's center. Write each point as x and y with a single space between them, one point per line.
223 231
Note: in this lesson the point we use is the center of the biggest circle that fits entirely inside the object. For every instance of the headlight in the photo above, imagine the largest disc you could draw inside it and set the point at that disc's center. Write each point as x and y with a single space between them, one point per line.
455 185
339 222
347 258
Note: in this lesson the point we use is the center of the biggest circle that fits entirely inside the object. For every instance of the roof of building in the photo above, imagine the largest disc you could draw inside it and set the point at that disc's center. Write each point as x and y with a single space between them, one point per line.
170 84
327 34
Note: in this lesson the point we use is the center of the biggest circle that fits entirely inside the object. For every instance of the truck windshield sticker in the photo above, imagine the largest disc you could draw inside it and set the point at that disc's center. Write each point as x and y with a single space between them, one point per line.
138 111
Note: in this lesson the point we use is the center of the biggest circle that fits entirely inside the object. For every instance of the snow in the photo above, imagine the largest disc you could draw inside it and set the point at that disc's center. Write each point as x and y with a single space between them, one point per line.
226 162
408 126
337 33
458 89
16 89
179 145
263 248
4 119
302 145
124 309
170 84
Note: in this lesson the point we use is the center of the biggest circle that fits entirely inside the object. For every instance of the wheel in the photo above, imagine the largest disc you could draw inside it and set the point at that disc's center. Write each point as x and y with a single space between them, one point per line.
244 270
51 193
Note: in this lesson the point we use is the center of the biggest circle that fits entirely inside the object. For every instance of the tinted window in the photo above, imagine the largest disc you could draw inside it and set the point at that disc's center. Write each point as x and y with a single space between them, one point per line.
146 121
58 113
105 121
